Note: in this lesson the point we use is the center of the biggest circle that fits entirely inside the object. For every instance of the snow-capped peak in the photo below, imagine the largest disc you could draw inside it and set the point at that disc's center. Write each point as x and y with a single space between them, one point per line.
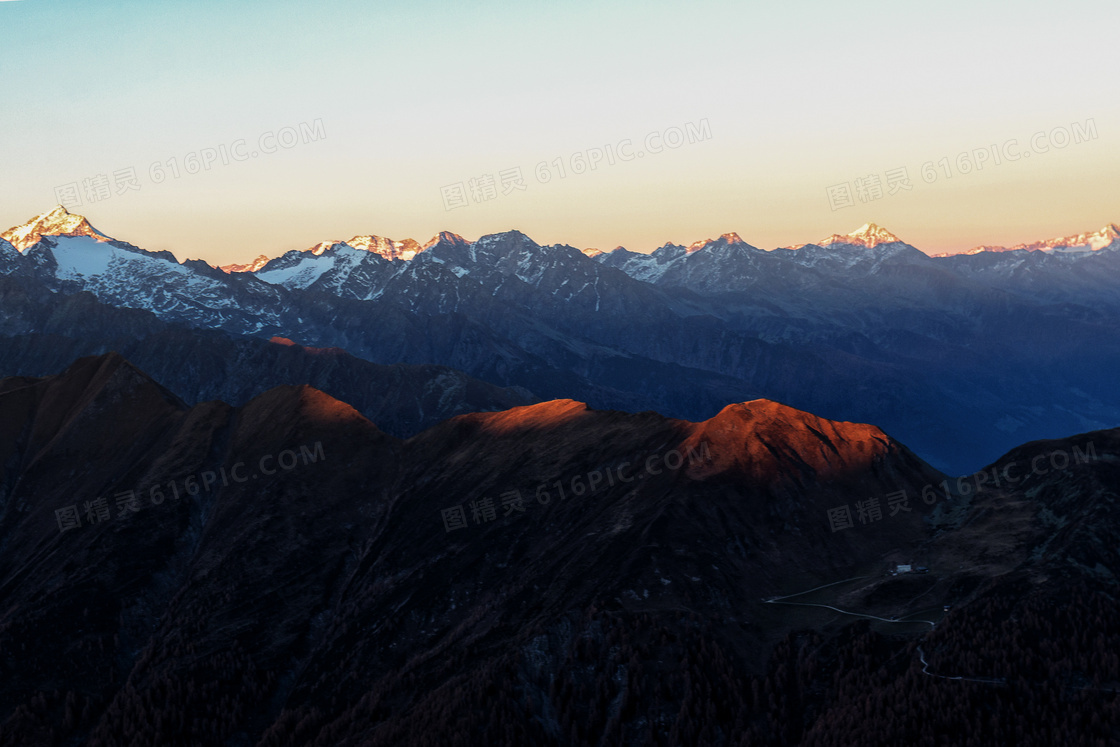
869 235
388 248
727 238
976 250
1082 243
591 252
55 222
1090 241
253 266
446 237
323 246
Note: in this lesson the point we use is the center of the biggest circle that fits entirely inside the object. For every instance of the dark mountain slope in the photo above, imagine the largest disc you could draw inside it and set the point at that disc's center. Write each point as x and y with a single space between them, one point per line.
250 607
45 331
293 576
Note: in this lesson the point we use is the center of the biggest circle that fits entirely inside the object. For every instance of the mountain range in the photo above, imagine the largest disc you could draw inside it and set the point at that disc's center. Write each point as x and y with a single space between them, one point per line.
961 357
1106 238
286 573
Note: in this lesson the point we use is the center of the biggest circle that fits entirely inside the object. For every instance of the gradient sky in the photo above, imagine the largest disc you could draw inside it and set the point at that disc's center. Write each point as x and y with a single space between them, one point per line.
415 96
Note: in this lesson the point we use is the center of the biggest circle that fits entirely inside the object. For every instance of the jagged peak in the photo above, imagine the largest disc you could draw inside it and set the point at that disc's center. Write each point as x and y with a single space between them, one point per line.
623 251
446 237
728 239
253 266
511 234
869 235
57 221
323 246
392 249
669 249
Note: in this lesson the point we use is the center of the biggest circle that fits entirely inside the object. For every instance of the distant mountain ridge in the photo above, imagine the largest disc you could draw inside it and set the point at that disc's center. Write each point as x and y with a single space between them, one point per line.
60 222
390 249
961 356
1107 238
869 235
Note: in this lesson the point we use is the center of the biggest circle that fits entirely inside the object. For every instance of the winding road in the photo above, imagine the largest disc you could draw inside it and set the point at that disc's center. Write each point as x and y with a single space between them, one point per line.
985 680
921 653
778 600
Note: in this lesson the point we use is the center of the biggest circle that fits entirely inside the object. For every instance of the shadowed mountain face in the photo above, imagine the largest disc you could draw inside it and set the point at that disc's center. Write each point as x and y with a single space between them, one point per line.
253 604
42 332
285 573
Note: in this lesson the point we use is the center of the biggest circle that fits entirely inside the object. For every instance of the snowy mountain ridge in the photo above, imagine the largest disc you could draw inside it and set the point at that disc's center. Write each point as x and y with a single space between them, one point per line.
55 222
866 327
1082 243
868 235
58 222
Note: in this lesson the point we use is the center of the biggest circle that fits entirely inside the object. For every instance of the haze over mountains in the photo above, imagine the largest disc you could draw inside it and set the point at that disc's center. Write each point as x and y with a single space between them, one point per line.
960 357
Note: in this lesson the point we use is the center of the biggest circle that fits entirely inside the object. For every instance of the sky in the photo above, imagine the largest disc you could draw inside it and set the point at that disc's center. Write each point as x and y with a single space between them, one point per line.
229 130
